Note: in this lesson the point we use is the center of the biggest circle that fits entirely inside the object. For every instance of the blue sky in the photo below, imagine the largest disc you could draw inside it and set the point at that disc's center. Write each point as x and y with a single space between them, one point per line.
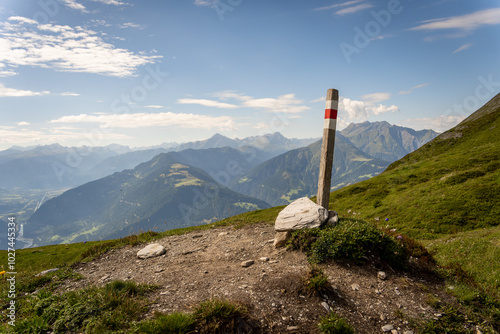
139 73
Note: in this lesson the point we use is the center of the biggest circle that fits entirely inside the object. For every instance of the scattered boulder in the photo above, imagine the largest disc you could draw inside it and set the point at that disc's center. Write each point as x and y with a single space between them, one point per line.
152 250
247 263
280 238
382 275
300 214
333 218
47 271
387 328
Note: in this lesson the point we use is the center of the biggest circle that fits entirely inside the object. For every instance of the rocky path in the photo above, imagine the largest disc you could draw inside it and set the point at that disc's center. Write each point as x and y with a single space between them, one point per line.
243 265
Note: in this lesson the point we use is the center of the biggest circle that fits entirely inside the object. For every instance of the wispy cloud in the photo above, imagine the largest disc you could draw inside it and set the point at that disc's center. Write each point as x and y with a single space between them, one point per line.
141 120
466 22
348 7
440 123
23 123
462 48
286 104
131 25
12 92
354 9
24 136
207 3
69 94
230 94
376 97
208 103
24 42
156 107
112 2
406 92
337 5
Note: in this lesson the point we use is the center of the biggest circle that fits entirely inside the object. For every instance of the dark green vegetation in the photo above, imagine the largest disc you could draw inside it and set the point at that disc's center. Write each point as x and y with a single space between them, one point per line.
333 324
118 307
356 241
158 195
294 174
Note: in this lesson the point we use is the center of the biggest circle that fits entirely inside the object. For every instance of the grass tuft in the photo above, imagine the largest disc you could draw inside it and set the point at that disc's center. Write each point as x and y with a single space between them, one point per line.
333 324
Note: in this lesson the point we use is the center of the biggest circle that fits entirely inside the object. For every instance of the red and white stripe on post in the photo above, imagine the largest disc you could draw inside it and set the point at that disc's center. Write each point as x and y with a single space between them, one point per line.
326 164
331 109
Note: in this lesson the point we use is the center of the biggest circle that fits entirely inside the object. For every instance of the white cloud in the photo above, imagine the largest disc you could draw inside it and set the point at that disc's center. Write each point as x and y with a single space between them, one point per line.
26 137
69 94
156 107
462 48
23 123
466 22
207 103
441 123
207 3
360 111
140 120
75 5
286 104
24 42
229 94
111 2
12 92
406 92
348 3
320 99
382 109
131 25
354 9
376 97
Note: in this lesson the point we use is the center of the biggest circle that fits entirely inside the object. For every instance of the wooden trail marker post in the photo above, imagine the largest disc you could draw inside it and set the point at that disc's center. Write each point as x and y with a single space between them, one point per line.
325 167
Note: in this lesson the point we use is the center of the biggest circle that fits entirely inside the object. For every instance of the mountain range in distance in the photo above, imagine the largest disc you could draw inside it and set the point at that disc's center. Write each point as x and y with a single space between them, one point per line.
252 167
160 194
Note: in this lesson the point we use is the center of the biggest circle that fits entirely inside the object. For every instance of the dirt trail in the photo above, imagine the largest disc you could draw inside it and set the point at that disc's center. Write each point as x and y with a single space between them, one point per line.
208 263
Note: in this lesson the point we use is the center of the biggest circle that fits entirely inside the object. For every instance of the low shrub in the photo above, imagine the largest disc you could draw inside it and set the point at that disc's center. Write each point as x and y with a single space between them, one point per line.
351 240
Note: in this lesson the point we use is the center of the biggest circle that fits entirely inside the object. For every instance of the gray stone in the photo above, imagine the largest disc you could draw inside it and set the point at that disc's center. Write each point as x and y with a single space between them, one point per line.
247 263
387 328
47 271
280 238
333 218
151 250
355 286
381 275
300 214
326 306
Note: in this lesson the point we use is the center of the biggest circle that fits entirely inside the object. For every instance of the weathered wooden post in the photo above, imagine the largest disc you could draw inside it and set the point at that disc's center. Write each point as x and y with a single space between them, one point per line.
325 167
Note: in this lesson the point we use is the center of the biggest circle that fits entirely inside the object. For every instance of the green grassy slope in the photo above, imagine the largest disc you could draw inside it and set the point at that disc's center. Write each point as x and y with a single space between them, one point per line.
449 185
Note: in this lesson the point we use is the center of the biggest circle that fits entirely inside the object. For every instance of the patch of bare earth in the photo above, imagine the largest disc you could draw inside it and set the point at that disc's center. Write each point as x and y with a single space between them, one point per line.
205 264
